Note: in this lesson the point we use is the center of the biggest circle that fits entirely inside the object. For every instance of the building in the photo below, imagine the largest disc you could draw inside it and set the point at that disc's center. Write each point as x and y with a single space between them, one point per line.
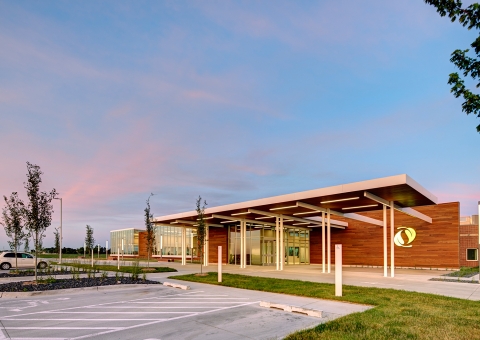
388 222
468 241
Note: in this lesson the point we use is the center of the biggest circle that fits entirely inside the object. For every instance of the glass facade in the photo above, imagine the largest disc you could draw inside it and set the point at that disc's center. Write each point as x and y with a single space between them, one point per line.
261 245
168 241
130 241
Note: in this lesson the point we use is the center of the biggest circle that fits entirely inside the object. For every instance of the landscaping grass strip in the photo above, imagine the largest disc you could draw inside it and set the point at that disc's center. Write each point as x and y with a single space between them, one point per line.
397 314
112 268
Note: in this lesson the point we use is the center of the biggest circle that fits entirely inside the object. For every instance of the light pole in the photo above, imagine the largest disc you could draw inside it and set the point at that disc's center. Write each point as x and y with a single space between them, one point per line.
61 222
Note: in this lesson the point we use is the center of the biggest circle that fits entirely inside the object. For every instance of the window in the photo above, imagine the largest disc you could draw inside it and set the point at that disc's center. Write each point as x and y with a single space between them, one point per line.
9 255
472 254
26 256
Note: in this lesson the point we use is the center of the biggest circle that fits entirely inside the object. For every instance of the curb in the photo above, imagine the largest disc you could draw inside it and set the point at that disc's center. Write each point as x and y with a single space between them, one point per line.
292 309
175 285
14 295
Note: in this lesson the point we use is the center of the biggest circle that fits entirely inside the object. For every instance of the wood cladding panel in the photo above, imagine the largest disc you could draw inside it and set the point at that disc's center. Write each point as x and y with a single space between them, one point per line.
217 237
436 245
142 244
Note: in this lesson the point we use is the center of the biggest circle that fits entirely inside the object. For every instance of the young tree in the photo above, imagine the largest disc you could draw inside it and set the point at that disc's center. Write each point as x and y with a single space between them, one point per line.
201 229
89 240
38 212
12 220
470 17
56 234
149 228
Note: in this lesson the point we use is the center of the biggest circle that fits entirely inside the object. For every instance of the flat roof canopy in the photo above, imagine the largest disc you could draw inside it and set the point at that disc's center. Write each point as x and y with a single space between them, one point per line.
347 200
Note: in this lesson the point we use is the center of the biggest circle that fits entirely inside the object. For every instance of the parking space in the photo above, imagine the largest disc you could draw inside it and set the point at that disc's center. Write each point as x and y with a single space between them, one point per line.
154 312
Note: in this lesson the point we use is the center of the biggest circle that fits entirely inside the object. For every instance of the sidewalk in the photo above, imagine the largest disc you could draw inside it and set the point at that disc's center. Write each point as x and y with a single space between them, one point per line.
405 279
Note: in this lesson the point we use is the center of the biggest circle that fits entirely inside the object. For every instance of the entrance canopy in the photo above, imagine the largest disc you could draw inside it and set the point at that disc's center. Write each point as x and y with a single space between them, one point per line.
304 209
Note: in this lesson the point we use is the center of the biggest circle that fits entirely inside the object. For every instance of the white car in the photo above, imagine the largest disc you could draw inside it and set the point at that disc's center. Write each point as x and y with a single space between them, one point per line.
24 260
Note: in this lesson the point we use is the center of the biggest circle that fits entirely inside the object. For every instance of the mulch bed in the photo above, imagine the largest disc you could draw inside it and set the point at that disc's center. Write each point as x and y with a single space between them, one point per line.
70 283
32 273
453 280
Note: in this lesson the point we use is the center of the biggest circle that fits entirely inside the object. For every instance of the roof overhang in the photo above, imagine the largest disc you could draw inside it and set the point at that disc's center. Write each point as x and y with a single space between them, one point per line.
347 200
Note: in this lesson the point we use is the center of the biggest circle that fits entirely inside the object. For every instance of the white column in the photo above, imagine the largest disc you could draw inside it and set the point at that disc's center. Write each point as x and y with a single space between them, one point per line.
392 232
161 246
329 241
219 261
241 244
338 270
385 245
244 244
323 242
277 242
184 237
282 245
478 251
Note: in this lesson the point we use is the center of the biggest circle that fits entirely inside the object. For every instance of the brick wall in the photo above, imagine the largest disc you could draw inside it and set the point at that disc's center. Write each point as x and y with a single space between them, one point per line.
468 239
436 244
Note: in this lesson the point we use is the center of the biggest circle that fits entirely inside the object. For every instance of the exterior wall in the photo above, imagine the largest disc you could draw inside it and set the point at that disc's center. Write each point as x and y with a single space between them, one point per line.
142 244
468 239
436 245
217 237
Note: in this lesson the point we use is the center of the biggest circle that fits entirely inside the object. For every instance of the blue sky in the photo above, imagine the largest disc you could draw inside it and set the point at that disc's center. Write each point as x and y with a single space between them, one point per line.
229 100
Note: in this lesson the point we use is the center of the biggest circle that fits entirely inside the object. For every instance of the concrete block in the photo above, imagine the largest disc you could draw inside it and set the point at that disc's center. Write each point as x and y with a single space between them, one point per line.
292 309
175 285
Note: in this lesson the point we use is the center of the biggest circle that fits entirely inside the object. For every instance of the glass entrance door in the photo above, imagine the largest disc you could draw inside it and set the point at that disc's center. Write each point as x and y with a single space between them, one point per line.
268 252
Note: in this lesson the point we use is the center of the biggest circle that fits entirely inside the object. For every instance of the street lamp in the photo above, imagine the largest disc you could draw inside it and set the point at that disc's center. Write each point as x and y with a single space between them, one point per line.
61 222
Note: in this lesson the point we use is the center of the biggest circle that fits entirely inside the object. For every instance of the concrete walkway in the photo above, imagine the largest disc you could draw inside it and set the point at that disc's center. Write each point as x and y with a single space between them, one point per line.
405 279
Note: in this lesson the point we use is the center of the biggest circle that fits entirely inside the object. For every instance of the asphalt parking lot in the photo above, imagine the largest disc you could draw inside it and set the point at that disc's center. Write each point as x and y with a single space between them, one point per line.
158 312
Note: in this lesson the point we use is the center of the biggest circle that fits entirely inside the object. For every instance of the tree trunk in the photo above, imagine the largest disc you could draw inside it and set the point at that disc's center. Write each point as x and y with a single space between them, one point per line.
36 254
16 245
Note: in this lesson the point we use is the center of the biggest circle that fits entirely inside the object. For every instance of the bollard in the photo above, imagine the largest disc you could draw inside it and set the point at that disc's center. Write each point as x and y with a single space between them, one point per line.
338 270
219 263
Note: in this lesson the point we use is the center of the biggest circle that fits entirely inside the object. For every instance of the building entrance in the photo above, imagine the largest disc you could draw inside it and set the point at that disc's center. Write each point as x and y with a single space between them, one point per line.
261 245
268 252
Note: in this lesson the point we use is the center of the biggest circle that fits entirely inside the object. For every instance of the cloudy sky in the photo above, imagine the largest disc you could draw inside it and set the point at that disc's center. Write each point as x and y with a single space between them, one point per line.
228 100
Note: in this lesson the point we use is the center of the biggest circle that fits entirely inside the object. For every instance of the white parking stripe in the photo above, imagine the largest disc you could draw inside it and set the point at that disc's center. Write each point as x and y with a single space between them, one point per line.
200 298
96 320
155 322
149 312
100 304
59 328
202 302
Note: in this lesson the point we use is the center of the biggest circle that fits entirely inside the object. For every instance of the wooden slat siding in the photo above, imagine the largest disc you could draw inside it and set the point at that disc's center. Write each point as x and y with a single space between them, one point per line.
142 244
217 237
436 244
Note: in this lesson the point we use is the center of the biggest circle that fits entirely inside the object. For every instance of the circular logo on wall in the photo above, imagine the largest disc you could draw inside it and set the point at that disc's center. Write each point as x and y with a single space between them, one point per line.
410 235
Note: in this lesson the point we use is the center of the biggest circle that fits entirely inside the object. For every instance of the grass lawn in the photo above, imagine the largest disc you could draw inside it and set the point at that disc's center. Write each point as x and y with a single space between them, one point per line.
111 268
464 272
397 314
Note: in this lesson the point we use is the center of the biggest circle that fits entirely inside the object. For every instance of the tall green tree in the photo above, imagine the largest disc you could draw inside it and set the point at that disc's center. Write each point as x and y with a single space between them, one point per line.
38 212
201 229
56 234
13 222
470 66
89 240
149 228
